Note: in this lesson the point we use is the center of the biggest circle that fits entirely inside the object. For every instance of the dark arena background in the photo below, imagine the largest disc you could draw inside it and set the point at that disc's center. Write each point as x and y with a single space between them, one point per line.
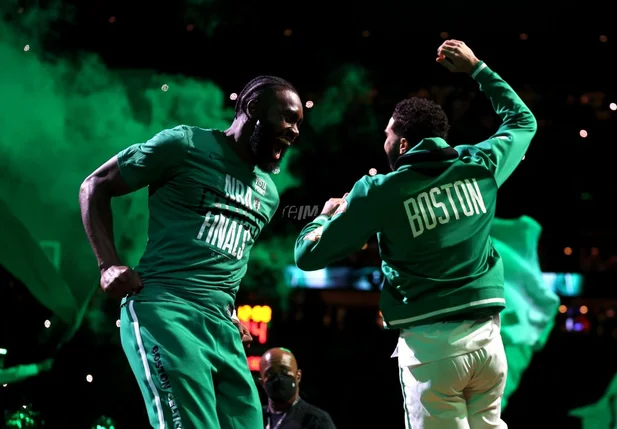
82 80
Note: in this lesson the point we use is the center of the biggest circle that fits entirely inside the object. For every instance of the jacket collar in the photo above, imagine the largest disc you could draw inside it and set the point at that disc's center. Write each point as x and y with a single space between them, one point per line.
433 153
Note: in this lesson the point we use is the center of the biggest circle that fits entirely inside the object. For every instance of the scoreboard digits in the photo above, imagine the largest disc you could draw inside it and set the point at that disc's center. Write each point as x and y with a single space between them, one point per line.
256 320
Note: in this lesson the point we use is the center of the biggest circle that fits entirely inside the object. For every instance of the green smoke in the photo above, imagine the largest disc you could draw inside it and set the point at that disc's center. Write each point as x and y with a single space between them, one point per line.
350 87
64 116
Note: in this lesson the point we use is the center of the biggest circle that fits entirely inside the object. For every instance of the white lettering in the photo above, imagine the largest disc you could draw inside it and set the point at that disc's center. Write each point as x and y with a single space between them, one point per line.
230 186
207 223
230 237
260 186
430 209
239 192
245 239
227 234
224 234
458 187
216 235
475 195
450 199
413 214
177 420
439 205
425 206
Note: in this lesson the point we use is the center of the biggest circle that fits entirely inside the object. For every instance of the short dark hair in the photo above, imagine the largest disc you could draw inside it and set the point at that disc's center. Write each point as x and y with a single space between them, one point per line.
256 87
418 118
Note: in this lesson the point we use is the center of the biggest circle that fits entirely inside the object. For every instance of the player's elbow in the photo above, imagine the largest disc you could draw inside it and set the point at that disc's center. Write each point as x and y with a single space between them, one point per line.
87 188
92 188
306 263
528 122
106 181
302 262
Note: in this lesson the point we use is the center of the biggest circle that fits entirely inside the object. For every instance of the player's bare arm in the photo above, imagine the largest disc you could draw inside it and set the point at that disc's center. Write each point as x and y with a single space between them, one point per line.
95 197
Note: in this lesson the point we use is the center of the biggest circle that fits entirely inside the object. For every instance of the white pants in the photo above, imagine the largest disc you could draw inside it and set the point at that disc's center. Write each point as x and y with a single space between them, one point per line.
461 392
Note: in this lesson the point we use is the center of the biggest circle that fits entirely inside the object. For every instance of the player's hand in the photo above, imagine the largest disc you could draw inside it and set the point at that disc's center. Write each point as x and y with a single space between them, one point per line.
333 205
119 281
456 56
246 336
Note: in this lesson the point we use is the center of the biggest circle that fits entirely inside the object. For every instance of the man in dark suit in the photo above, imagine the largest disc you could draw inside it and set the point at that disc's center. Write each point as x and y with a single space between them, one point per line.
280 378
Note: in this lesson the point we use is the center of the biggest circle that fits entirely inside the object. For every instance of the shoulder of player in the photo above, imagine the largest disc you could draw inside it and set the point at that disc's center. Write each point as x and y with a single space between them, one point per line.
193 136
197 134
380 187
368 188
465 150
373 183
178 137
170 145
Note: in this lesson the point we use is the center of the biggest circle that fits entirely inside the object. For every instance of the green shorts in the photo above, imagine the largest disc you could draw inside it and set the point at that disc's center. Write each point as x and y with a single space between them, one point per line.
190 365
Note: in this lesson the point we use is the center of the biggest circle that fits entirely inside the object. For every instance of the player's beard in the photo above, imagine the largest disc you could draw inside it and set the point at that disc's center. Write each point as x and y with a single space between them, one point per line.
393 156
261 143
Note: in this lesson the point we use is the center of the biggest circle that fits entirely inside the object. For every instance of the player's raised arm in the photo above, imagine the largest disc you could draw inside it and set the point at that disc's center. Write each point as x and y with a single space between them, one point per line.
132 169
507 147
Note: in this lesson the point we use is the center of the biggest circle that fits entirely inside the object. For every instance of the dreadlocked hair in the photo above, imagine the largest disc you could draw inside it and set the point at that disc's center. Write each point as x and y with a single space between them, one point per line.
256 87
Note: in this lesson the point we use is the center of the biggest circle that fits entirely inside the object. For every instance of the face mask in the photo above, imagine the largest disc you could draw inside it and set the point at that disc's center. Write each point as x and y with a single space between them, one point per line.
280 387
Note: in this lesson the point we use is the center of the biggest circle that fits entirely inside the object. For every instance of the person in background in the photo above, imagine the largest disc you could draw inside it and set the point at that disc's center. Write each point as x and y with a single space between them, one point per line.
280 378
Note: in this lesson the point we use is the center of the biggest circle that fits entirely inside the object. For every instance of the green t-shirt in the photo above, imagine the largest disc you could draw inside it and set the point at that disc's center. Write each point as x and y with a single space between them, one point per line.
207 208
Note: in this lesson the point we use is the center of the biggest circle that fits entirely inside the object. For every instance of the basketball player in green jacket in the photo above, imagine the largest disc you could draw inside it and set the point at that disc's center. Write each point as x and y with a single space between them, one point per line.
210 197
444 281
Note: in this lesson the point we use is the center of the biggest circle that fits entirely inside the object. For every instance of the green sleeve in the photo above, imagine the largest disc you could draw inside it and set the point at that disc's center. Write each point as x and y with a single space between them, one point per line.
345 233
145 163
507 147
18 373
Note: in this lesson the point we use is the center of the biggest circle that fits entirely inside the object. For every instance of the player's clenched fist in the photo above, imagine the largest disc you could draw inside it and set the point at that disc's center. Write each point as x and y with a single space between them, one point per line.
245 334
456 56
120 281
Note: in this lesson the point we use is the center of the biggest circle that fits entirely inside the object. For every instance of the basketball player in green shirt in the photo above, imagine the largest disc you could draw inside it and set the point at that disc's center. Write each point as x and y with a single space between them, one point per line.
210 196
432 214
